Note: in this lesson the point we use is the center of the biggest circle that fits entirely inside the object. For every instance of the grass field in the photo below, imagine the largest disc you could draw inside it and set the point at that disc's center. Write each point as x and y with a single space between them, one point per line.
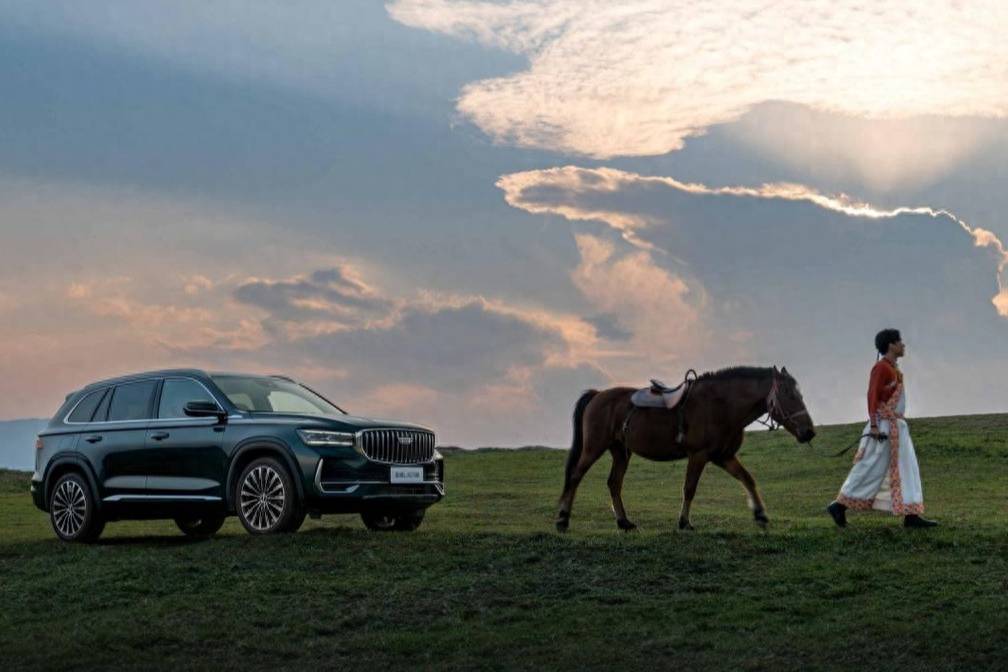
486 583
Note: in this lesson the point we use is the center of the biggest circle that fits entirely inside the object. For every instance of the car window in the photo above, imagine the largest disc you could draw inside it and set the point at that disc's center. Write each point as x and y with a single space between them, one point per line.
285 402
176 393
271 394
102 413
242 401
132 401
86 408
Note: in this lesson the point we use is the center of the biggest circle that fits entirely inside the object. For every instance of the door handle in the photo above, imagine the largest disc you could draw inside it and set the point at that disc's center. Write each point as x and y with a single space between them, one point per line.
157 436
94 438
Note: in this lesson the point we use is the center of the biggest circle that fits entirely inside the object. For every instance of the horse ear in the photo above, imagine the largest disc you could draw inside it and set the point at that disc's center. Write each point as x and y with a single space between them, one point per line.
784 370
775 369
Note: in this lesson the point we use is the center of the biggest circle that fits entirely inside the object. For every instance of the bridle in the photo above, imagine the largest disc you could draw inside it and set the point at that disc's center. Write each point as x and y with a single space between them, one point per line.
773 406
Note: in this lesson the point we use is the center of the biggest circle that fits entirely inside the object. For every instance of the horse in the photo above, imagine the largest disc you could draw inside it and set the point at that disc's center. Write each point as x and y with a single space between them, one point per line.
716 410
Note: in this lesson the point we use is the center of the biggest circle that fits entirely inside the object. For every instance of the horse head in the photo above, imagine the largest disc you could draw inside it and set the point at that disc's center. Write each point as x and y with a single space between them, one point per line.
787 407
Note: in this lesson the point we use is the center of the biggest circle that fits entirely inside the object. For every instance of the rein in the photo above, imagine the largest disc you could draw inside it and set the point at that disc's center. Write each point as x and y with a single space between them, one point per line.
881 437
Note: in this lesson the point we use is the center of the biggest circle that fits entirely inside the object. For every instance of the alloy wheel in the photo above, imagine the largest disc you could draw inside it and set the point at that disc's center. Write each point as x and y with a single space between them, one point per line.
69 508
262 498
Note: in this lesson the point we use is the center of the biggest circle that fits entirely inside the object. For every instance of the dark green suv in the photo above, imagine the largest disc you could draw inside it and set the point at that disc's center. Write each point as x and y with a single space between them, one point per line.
196 447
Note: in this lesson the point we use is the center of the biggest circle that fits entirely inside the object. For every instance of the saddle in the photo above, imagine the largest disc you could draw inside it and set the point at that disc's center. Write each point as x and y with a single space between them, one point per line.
659 395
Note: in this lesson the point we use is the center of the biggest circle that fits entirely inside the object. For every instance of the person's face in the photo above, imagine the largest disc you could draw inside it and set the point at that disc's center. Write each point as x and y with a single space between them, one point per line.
897 349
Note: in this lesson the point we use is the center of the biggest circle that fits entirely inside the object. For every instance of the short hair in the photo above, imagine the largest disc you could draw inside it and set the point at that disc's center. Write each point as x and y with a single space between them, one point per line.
884 338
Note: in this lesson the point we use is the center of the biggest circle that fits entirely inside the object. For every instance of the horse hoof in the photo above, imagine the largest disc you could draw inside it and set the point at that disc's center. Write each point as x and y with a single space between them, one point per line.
685 525
761 519
562 524
625 525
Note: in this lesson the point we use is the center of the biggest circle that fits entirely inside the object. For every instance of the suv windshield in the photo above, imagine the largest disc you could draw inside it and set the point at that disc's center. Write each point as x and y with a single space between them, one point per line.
262 394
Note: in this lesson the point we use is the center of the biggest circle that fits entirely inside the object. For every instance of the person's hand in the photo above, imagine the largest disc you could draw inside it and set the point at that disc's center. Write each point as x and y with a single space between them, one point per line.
874 433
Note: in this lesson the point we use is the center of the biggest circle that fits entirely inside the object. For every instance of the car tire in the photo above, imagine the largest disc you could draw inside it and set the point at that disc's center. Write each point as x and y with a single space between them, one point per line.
73 510
385 521
265 498
297 520
201 528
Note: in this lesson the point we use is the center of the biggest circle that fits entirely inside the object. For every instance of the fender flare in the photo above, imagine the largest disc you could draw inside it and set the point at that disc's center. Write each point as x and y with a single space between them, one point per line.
77 460
269 444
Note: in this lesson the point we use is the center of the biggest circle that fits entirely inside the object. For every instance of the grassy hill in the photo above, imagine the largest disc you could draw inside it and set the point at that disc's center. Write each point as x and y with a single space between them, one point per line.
487 584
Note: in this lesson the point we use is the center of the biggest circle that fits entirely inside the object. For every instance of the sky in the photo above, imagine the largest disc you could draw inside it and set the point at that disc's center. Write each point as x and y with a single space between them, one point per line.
465 213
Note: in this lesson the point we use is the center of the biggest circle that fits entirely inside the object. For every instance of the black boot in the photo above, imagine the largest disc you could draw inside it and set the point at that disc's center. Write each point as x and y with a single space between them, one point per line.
839 513
917 521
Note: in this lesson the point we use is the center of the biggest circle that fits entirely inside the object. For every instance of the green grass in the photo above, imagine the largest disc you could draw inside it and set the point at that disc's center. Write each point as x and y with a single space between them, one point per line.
486 584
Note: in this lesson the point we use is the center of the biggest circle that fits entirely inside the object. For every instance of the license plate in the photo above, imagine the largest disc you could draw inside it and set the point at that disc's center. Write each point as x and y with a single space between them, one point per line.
407 474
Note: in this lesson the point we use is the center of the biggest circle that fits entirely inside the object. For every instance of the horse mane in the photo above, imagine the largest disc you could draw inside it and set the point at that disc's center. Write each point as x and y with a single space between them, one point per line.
735 372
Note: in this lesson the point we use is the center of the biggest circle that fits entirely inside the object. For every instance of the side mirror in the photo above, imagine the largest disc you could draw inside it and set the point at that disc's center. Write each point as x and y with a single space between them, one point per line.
205 409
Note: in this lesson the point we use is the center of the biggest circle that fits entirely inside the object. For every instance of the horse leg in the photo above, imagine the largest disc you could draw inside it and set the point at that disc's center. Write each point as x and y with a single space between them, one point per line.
590 453
621 460
694 468
735 468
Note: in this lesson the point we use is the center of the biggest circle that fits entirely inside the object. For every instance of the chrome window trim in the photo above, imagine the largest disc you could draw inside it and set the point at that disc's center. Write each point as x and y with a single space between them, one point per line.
66 420
84 396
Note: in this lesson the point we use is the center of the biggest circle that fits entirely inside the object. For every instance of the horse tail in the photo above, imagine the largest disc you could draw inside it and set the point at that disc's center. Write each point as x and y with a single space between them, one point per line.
575 451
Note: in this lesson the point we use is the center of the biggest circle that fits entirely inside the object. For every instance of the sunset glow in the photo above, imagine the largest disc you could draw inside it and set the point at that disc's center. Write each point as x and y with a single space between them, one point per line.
467 212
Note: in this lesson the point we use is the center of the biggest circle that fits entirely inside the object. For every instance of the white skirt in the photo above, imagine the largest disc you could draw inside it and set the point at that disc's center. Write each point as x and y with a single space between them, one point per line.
885 475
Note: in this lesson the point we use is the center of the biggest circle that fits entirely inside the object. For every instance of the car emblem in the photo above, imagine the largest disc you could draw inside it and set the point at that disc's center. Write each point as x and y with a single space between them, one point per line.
405 440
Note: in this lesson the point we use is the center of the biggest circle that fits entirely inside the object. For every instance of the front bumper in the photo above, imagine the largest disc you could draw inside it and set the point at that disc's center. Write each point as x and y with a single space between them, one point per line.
339 487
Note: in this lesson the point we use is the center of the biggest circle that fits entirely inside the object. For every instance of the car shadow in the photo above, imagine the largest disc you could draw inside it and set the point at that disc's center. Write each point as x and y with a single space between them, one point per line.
149 540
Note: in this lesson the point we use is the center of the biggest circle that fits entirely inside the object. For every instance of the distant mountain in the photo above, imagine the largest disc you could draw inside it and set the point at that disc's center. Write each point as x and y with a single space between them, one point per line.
17 442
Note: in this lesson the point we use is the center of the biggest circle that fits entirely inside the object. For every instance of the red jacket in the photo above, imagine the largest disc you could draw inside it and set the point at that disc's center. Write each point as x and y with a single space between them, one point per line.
881 385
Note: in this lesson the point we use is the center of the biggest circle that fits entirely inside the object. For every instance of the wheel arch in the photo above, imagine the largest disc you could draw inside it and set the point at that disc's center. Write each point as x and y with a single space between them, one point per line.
252 449
64 464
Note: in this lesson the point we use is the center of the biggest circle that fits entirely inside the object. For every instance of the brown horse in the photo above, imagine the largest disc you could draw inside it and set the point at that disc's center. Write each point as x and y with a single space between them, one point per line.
717 409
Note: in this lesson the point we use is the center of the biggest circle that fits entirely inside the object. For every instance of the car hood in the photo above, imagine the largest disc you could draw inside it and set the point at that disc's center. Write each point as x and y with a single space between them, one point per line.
347 423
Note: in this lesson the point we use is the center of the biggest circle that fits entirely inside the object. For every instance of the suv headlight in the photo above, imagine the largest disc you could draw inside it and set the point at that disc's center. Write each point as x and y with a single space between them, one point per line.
321 437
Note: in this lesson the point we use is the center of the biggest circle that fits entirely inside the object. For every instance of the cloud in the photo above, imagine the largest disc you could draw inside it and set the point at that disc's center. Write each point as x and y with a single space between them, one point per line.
334 323
445 341
878 154
453 347
330 299
481 371
707 276
196 284
473 366
547 192
638 78
171 327
1000 302
654 307
610 196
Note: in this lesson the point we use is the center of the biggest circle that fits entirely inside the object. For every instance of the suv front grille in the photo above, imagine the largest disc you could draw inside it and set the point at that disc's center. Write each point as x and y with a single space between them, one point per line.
397 446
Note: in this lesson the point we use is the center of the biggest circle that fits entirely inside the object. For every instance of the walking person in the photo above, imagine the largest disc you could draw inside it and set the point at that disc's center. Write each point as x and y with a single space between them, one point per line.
885 475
